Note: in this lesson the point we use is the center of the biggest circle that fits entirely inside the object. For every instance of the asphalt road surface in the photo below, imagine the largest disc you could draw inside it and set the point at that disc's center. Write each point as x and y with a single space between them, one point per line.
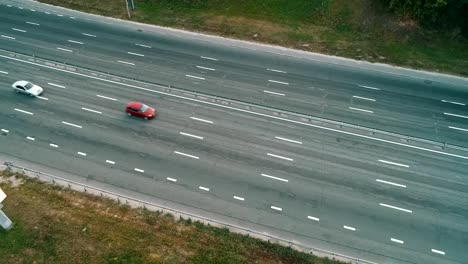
385 200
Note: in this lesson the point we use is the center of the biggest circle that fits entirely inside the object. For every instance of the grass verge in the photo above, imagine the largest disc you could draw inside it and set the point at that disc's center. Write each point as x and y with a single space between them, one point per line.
358 29
56 225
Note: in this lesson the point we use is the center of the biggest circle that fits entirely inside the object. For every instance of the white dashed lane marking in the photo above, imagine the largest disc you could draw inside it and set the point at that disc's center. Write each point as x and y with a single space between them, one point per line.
397 240
67 50
110 161
369 87
313 218
171 179
53 145
23 111
31 138
279 157
195 77
135 54
139 170
91 110
274 93
19 30
105 97
186 155
273 81
274 178
71 124
208 58
273 70
361 110
89 35
204 188
238 198
349 228
438 251
364 98
74 41
394 163
190 135
391 183
205 68
459 128
57 85
201 120
126 62
144 46
32 23
7 37
3 72
396 208
455 115
81 154
289 140
276 208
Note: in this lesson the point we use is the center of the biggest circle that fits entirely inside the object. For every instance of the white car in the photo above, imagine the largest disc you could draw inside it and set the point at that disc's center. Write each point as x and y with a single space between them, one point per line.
27 88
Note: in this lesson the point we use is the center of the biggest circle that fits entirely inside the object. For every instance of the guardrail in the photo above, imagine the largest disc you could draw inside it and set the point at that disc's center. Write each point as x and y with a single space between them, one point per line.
134 202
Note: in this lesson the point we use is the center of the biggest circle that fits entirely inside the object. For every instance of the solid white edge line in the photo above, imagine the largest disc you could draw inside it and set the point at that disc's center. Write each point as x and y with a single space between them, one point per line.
238 198
289 140
273 70
313 218
186 155
128 63
244 111
369 87
76 42
8 37
453 102
438 251
397 240
396 208
276 208
53 145
360 109
273 177
275 93
279 157
190 135
450 114
391 183
105 97
6 131
110 161
349 228
56 85
139 170
81 153
4 72
31 138
195 77
91 110
17 29
135 54
458 128
67 50
71 124
204 188
394 163
206 68
364 98
273 81
22 111
171 179
201 120
208 58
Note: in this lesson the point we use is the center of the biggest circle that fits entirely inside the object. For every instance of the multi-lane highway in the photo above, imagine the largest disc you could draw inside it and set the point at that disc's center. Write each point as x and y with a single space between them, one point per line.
383 197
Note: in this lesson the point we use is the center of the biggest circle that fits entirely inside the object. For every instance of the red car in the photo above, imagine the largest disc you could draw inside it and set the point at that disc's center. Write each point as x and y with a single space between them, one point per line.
140 110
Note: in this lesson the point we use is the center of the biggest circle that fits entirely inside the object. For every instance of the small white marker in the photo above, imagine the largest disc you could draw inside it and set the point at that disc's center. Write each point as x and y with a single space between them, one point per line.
238 198
190 135
458 128
171 179
139 170
105 97
22 111
135 54
76 42
144 46
53 145
31 138
204 188
275 93
128 63
5 131
364 98
273 81
205 68
32 23
81 153
91 110
397 240
186 155
71 124
438 251
110 161
273 70
57 85
89 35
195 77
274 178
19 30
208 58
67 50
453 102
276 208
391 183
280 157
396 208
202 120
394 163
4 72
289 140
362 110
313 218
369 87
349 228
8 37
450 114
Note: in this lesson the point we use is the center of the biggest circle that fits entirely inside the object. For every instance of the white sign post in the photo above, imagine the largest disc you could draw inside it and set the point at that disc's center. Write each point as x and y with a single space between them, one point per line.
5 222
